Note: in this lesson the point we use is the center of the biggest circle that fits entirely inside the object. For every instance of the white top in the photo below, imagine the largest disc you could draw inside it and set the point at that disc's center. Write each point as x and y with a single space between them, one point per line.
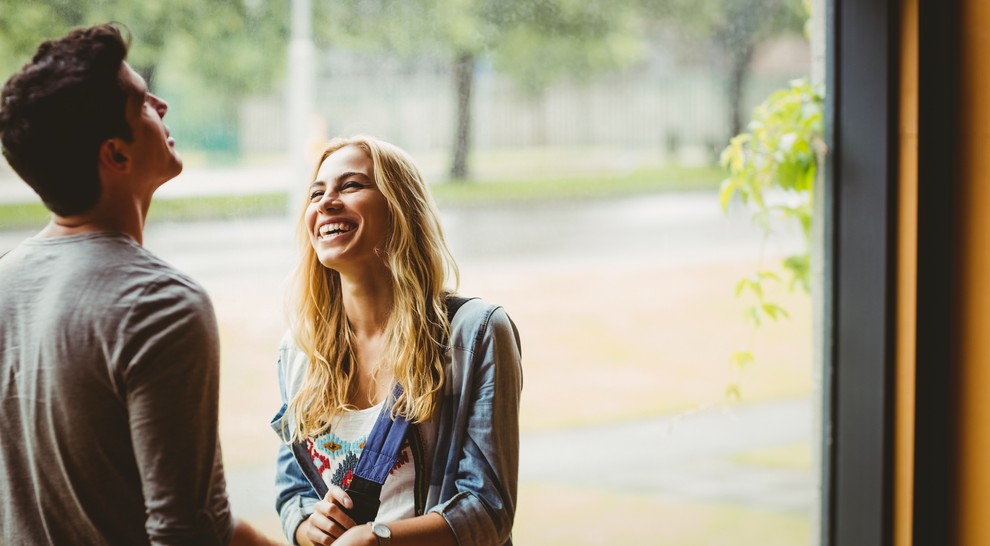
335 454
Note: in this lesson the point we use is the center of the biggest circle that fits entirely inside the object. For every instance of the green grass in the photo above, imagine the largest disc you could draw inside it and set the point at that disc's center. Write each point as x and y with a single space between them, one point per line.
31 215
219 207
455 193
22 215
642 181
796 456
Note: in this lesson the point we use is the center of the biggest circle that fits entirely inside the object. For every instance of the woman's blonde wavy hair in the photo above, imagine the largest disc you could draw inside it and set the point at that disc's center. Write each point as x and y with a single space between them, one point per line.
420 264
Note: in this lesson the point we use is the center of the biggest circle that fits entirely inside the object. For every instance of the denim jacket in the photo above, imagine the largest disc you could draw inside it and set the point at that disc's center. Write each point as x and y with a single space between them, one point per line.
473 464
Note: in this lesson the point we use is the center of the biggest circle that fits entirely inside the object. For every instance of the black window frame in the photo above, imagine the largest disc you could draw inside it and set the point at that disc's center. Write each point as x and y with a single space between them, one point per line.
860 193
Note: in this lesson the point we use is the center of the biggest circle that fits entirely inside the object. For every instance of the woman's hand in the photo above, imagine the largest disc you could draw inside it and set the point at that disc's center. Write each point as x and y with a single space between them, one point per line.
328 522
359 535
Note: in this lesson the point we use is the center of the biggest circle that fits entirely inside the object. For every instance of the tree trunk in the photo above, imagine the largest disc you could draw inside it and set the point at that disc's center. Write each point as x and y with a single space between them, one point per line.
737 85
463 83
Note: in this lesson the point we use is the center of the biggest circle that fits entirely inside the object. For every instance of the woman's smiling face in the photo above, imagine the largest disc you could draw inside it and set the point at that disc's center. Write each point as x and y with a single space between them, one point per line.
347 217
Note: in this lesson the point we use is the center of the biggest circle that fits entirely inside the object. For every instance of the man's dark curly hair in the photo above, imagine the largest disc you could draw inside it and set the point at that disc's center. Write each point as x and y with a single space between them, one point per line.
57 111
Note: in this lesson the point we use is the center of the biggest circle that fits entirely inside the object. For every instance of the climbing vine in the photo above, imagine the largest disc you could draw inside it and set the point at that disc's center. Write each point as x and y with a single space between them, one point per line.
772 169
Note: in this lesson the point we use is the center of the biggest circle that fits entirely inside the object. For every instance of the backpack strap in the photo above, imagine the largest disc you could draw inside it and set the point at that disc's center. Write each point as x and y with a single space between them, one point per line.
453 304
381 450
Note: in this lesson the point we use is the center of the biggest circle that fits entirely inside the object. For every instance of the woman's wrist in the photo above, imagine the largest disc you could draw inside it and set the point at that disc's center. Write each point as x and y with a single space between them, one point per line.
360 535
300 534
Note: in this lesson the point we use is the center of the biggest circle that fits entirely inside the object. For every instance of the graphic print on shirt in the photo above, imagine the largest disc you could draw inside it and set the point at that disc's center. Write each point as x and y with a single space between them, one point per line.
336 458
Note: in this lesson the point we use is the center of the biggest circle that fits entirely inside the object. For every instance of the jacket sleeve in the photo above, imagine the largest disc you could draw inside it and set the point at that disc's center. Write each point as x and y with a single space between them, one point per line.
482 509
295 496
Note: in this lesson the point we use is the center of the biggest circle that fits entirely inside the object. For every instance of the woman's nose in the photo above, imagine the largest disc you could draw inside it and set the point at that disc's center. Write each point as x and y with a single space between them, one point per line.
331 201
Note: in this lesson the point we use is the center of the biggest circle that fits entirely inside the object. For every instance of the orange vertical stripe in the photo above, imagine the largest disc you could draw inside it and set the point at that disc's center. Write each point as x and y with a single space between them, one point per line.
972 286
907 277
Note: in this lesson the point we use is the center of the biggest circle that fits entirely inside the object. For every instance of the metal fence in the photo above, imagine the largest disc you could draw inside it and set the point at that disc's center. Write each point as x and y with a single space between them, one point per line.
416 110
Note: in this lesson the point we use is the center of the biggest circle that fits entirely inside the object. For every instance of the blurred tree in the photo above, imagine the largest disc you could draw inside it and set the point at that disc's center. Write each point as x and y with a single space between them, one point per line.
24 25
226 48
233 41
536 42
734 29
237 47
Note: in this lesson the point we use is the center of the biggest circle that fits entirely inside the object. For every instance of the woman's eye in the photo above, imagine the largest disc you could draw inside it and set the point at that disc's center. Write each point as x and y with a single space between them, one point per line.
316 195
352 185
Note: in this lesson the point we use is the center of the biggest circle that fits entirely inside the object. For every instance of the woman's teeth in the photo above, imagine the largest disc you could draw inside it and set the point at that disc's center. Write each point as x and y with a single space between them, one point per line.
327 230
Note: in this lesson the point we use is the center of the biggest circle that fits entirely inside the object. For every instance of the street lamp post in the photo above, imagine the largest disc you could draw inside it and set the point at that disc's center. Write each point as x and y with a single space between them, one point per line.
299 97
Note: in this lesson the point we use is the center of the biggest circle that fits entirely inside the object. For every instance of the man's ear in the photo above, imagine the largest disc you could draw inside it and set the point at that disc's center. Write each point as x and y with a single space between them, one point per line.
113 155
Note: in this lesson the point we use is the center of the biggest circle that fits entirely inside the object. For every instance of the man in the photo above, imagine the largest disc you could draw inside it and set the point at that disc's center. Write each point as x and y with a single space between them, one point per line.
108 356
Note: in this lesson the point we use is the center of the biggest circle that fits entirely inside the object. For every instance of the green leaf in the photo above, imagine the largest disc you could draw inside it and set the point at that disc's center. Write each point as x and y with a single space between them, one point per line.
741 286
742 359
729 186
733 392
753 315
800 267
774 311
767 276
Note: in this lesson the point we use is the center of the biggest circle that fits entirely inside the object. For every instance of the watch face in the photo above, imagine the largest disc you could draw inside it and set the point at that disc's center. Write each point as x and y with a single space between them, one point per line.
381 530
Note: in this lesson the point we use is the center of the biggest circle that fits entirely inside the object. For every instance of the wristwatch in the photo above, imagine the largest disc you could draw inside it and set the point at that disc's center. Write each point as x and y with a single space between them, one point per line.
382 532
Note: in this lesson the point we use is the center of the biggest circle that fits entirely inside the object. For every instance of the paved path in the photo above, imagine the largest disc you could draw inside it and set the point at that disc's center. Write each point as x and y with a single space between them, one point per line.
689 456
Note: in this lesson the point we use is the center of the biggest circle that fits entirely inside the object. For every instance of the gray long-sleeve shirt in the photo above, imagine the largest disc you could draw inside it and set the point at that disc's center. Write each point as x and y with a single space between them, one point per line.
109 376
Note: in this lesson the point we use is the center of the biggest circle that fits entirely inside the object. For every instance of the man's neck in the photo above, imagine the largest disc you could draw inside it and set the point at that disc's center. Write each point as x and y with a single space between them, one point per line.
125 216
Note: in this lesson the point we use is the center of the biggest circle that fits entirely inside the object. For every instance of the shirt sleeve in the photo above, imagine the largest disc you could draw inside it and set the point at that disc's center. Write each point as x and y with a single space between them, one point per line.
170 358
483 509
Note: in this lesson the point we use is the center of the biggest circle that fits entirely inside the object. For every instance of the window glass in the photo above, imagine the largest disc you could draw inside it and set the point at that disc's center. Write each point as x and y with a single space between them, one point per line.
578 152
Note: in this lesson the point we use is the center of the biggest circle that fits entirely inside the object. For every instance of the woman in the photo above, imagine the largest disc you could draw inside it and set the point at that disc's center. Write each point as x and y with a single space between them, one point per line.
371 313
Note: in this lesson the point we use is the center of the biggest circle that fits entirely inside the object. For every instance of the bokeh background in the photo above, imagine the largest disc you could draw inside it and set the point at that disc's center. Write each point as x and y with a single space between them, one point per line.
573 148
